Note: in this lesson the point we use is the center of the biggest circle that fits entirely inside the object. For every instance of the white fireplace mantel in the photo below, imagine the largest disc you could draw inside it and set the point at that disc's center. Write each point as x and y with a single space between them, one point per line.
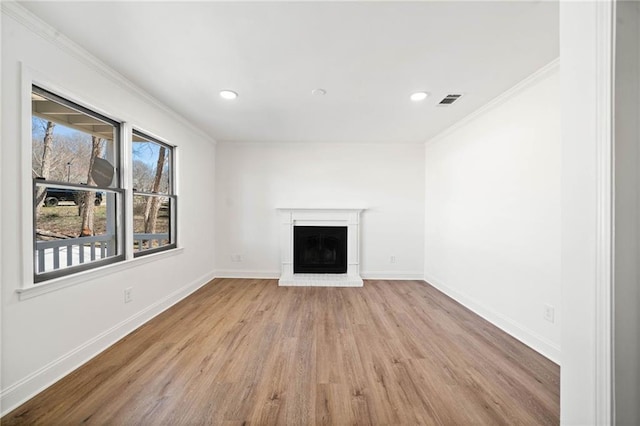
349 217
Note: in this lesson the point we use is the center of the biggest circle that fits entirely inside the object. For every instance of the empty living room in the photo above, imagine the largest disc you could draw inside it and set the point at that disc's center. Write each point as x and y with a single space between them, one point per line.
320 212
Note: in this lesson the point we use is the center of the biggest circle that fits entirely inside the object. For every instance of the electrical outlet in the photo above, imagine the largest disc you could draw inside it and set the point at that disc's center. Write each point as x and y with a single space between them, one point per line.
549 313
392 259
127 294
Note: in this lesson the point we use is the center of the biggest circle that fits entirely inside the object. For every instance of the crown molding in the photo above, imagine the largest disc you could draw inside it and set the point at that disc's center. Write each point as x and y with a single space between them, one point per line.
524 84
13 9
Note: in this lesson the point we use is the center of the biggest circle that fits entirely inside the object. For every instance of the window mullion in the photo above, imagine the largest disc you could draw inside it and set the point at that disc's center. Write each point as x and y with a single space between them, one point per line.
127 183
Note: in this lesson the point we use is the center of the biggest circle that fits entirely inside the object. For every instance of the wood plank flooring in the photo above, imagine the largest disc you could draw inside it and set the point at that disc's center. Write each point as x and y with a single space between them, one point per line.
241 352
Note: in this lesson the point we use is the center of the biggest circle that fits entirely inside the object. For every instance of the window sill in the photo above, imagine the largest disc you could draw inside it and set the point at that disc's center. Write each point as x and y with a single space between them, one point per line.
92 274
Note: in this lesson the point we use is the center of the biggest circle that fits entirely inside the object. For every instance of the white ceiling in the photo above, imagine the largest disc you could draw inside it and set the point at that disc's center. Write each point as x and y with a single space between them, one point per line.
368 56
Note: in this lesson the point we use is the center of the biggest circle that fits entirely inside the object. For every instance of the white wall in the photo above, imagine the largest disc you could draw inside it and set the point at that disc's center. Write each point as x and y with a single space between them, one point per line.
492 236
627 214
46 336
253 179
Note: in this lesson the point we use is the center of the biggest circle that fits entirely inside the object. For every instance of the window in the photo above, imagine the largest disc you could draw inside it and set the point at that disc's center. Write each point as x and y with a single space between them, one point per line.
77 192
154 200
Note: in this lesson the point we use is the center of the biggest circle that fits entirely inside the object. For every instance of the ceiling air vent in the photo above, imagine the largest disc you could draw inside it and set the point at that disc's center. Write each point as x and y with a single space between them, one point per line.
448 100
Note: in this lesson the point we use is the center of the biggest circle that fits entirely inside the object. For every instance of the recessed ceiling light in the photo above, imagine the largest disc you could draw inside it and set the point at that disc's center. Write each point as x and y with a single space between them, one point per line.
419 96
228 94
319 92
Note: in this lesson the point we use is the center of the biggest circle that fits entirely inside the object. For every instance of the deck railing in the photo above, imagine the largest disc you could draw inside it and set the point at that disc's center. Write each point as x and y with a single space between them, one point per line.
58 254
140 239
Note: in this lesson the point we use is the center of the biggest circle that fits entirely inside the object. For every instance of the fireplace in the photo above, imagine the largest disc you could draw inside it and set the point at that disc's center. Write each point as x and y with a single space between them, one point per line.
320 249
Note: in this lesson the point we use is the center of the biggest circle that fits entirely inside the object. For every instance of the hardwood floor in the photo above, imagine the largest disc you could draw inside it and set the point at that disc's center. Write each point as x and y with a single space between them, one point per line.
242 352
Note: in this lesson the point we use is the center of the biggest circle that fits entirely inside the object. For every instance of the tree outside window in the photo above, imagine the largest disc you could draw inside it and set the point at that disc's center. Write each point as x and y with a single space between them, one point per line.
75 216
154 200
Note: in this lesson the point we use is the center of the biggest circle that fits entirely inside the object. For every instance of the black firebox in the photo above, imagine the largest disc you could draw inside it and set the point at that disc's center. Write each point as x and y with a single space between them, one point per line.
320 249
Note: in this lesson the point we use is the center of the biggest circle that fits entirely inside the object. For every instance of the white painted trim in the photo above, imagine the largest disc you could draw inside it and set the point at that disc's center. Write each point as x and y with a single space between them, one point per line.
21 391
322 209
505 96
604 214
506 324
44 30
2 155
297 142
371 275
126 157
239 273
25 198
393 275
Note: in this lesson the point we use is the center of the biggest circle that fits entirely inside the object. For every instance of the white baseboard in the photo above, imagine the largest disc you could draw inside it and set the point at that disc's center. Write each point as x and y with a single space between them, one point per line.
513 328
237 273
370 275
23 390
392 275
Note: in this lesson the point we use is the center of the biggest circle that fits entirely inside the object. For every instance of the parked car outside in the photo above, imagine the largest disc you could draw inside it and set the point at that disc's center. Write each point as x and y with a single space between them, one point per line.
55 195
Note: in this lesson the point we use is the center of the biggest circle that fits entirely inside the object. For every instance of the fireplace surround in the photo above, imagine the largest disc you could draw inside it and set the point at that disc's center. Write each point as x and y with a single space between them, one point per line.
323 219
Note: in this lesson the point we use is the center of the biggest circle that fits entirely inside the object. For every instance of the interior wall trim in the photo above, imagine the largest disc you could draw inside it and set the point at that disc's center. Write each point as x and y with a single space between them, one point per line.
239 273
393 275
604 397
367 275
